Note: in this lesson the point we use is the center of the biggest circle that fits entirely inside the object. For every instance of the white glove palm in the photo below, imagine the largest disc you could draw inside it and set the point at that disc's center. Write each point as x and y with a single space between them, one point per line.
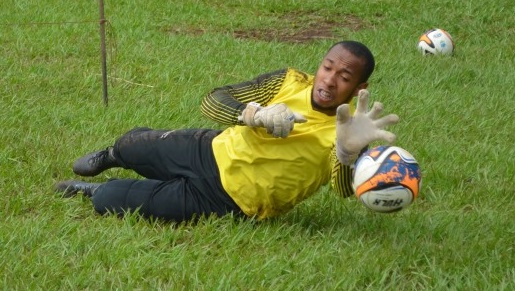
355 132
278 119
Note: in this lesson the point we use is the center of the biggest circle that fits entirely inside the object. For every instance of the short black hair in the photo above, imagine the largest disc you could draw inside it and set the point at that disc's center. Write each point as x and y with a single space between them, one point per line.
361 51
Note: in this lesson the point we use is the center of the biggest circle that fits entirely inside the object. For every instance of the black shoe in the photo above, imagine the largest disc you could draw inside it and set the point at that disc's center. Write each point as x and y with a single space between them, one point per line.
95 163
71 188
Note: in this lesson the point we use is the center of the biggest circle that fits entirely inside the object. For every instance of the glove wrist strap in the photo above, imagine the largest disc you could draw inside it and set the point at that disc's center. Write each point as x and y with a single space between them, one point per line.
254 104
344 156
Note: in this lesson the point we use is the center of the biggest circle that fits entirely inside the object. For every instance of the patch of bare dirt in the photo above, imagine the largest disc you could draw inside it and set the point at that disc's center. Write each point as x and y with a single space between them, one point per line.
302 28
293 28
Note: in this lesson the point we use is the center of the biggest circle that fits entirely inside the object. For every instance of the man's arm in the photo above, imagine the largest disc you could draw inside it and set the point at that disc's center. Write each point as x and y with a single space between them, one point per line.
225 104
353 134
341 177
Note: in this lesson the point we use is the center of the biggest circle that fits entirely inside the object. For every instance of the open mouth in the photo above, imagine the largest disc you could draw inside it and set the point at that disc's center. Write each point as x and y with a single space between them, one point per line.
324 95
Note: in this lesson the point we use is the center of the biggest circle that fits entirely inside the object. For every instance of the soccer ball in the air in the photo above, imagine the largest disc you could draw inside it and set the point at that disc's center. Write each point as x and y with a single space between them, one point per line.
436 42
386 179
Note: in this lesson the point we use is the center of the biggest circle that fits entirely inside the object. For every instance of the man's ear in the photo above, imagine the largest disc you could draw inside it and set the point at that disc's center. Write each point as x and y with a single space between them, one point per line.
359 87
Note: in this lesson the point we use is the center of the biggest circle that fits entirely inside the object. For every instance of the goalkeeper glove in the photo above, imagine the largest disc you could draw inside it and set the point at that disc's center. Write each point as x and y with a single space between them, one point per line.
278 119
355 132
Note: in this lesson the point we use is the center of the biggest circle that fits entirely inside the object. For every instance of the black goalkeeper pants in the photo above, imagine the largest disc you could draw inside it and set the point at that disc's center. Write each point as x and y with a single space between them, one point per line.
182 178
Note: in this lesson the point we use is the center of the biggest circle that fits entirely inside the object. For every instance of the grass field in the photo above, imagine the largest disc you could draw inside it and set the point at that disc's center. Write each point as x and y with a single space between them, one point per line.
456 118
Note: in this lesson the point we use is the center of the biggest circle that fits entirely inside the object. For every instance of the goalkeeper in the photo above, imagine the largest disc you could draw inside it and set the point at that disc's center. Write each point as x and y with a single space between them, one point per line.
290 133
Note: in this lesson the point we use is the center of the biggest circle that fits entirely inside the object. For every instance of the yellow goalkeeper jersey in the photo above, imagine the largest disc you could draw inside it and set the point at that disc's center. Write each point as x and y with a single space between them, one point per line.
267 176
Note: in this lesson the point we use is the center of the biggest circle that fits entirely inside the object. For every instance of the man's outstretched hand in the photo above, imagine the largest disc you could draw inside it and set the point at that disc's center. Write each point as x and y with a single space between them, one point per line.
355 132
278 119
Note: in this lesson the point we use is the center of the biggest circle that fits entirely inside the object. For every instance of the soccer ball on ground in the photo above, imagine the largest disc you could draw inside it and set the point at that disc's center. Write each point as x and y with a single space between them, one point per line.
386 179
436 42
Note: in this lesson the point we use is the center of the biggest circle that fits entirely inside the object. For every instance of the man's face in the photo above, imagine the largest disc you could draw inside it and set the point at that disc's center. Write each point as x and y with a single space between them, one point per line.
337 80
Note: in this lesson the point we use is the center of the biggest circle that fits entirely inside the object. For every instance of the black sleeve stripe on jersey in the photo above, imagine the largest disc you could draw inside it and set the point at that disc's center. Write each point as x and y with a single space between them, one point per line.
224 113
341 177
224 104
